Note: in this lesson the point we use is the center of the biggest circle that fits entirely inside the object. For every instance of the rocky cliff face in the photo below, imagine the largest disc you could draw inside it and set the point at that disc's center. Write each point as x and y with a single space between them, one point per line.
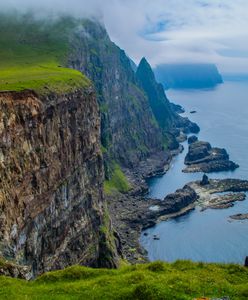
130 132
158 101
51 203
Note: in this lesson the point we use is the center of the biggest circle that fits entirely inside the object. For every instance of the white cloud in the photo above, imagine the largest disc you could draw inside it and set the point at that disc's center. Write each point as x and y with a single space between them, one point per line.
166 30
195 31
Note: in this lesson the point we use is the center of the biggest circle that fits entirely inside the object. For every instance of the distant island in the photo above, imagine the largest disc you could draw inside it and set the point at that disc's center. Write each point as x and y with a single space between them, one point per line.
188 76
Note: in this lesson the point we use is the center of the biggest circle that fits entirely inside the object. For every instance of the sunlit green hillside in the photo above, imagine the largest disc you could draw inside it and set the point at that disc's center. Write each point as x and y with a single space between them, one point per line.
33 54
181 280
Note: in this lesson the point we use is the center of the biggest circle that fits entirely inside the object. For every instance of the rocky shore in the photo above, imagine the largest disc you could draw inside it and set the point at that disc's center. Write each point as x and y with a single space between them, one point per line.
133 214
219 193
202 157
130 215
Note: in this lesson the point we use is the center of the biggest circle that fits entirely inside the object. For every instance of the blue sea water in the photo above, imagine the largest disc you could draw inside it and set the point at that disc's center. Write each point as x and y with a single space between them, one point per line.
209 236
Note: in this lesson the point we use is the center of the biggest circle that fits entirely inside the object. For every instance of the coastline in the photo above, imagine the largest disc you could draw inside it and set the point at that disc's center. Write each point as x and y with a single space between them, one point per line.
132 214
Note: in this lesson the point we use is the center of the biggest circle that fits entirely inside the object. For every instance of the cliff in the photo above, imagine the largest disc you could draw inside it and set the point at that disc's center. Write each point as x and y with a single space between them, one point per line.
54 128
188 76
130 132
51 201
52 210
166 113
158 101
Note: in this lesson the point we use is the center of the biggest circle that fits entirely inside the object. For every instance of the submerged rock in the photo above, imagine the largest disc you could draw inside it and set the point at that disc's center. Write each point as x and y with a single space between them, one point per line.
203 158
240 217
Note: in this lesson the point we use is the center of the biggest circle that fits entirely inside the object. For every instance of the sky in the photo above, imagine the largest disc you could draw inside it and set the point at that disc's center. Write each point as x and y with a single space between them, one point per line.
166 31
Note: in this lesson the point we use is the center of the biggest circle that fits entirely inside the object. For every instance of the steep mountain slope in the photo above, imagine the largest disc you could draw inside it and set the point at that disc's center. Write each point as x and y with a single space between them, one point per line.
159 103
52 210
130 132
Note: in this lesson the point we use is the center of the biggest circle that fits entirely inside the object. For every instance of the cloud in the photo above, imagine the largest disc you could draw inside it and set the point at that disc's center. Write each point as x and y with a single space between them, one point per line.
168 31
165 31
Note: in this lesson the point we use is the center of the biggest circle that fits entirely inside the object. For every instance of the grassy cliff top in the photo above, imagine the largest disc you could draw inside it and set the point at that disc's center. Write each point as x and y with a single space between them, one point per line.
33 54
180 280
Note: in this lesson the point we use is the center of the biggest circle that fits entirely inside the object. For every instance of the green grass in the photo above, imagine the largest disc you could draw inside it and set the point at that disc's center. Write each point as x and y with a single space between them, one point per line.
118 182
33 55
181 280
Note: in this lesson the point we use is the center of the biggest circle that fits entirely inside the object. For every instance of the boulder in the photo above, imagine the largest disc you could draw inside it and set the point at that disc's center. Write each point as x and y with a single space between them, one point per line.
201 157
205 180
192 139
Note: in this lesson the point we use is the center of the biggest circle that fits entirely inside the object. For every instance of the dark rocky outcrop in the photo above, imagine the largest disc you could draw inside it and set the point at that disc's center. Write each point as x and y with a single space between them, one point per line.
177 108
246 261
51 201
205 180
239 217
220 193
187 126
178 200
203 158
192 139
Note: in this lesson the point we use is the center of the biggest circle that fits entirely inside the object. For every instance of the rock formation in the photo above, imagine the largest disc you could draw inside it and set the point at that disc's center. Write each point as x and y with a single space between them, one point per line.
192 139
205 180
133 127
51 202
203 158
219 193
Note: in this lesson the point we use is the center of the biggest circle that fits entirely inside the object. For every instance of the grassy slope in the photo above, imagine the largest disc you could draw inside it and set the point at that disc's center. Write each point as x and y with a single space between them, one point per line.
181 280
118 181
33 55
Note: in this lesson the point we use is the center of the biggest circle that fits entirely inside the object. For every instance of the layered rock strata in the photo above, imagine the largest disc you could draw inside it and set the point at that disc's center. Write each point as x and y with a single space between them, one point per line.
51 202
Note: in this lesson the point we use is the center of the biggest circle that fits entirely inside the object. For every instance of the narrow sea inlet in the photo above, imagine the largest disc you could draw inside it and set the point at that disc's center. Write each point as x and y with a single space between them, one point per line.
209 236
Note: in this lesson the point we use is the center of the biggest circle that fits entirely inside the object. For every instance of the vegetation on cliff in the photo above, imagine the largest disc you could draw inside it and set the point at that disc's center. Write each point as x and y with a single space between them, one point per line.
180 280
117 182
34 55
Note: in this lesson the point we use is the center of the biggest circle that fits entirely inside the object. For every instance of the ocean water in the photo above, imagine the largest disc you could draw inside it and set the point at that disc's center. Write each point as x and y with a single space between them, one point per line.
209 236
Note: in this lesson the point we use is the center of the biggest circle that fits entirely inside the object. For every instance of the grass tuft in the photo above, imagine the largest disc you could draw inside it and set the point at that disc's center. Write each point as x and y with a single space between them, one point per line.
118 182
